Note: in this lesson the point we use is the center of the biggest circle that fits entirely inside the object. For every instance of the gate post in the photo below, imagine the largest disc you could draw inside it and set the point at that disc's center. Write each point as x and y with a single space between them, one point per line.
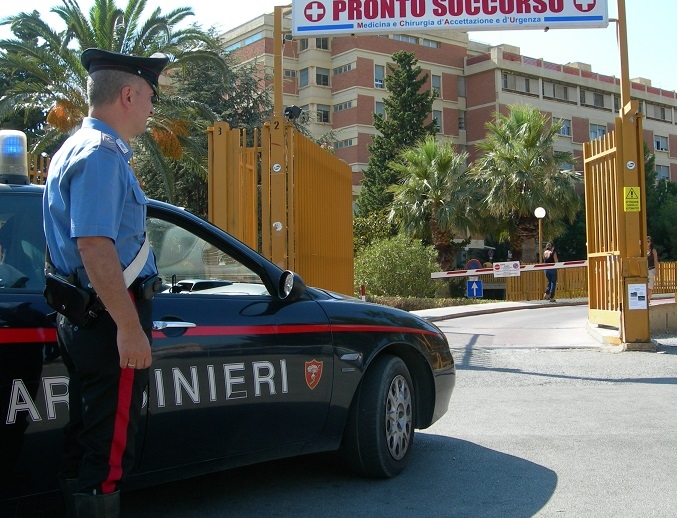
278 166
635 317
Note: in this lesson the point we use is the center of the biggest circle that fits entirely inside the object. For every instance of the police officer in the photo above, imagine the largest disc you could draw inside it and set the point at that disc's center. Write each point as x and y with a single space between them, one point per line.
94 222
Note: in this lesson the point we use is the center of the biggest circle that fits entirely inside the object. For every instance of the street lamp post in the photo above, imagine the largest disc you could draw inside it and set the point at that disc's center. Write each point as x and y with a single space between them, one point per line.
539 212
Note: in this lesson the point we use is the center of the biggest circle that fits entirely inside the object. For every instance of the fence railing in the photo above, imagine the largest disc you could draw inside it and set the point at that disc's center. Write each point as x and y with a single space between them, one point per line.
38 165
572 283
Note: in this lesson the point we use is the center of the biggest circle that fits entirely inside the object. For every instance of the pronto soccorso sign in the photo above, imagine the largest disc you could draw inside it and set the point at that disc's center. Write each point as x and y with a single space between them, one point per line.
326 17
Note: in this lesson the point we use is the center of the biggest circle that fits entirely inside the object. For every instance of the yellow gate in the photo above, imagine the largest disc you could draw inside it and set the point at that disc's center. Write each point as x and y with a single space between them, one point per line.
616 227
303 202
603 201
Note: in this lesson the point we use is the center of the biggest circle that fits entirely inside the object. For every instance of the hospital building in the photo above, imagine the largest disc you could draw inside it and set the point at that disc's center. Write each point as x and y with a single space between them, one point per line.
339 81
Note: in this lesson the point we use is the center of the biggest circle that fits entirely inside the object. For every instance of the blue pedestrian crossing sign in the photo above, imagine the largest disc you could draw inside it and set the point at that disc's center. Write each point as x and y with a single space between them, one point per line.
474 289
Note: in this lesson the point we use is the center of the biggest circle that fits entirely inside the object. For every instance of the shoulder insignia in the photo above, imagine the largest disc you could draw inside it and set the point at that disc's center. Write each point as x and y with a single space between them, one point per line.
108 140
123 147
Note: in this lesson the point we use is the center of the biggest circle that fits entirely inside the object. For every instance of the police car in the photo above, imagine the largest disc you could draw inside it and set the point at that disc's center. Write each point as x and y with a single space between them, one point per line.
255 368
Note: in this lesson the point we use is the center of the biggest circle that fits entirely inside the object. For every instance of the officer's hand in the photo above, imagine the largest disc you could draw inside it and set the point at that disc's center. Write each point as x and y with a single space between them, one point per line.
133 347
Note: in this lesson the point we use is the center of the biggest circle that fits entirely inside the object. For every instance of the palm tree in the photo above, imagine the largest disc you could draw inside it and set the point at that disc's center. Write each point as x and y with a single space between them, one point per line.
52 78
434 198
518 171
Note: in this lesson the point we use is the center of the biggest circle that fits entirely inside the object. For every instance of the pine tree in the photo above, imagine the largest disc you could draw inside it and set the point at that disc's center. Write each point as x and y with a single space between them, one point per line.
406 108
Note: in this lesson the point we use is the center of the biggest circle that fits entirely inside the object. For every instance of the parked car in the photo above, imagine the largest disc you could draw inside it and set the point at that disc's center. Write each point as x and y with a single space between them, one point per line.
260 367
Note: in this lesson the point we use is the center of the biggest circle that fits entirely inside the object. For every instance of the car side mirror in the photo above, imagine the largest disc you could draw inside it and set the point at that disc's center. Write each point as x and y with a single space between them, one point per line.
290 286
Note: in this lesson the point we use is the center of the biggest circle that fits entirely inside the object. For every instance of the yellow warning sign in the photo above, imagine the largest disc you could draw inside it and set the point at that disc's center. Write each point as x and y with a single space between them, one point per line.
631 199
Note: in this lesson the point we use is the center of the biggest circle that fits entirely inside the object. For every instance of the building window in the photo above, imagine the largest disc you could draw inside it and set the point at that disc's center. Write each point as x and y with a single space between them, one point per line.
290 73
556 91
662 172
596 131
435 85
461 86
379 109
322 77
565 128
343 106
247 41
661 143
379 76
322 43
521 84
342 69
323 113
343 143
406 38
303 77
617 102
438 119
655 111
303 44
430 43
594 99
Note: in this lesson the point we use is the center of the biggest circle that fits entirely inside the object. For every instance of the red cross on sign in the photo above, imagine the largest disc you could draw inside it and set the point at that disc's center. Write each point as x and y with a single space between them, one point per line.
314 11
584 5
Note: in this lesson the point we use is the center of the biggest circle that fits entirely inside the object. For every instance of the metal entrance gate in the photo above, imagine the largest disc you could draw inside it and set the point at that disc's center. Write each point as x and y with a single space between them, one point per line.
603 209
303 204
616 228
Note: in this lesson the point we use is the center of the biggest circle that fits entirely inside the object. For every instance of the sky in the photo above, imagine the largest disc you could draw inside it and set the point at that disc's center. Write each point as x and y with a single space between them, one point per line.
651 33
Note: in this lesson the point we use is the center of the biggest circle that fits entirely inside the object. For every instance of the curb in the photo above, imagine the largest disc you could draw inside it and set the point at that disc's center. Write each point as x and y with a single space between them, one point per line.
501 309
608 338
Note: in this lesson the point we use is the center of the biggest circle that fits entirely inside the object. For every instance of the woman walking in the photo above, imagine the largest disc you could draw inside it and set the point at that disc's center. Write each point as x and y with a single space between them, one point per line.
550 256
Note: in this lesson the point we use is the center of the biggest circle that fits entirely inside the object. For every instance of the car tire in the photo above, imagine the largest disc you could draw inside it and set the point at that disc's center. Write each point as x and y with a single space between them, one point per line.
379 433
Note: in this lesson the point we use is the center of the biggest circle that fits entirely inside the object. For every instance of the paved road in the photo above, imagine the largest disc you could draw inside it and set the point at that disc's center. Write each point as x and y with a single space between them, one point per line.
546 327
550 431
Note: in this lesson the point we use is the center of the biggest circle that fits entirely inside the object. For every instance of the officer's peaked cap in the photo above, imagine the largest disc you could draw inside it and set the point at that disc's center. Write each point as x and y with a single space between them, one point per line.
148 68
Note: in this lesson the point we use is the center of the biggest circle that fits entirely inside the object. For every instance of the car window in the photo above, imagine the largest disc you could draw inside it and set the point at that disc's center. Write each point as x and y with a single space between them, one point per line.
22 244
189 264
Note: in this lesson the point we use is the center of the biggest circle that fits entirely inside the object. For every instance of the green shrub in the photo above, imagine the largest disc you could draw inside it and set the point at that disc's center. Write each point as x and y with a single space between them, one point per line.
396 267
372 227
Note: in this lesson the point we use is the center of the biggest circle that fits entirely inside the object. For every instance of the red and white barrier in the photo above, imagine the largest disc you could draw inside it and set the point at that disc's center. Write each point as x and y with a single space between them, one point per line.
523 268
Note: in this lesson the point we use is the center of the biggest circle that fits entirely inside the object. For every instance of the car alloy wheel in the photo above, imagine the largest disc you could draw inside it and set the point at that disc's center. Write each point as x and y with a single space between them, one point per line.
398 421
379 433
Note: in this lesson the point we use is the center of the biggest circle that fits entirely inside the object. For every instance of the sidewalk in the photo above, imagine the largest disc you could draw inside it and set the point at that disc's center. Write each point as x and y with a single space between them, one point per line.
662 311
483 308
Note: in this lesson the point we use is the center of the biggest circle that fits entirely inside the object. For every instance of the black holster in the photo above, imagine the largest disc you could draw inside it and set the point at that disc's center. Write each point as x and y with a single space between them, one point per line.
80 306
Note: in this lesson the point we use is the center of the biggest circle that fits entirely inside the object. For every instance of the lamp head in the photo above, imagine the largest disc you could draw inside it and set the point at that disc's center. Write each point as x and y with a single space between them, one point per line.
292 112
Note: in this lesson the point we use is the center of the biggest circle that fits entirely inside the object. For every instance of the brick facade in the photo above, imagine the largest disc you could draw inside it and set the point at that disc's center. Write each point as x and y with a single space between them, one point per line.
490 78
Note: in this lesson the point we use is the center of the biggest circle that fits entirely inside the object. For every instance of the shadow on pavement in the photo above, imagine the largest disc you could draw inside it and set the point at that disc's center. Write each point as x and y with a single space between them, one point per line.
446 477
479 359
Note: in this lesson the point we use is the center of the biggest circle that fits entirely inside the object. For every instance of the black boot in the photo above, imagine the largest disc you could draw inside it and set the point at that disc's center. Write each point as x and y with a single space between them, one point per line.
67 486
97 506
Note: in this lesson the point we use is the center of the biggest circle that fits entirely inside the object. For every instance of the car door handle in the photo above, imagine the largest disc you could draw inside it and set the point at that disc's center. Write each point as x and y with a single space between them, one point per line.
159 325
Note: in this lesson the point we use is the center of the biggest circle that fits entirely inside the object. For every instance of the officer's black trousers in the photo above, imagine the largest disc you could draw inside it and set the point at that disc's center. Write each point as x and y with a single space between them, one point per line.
105 403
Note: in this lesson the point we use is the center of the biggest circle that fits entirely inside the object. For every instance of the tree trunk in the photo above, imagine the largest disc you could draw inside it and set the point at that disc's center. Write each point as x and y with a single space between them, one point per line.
525 245
442 240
